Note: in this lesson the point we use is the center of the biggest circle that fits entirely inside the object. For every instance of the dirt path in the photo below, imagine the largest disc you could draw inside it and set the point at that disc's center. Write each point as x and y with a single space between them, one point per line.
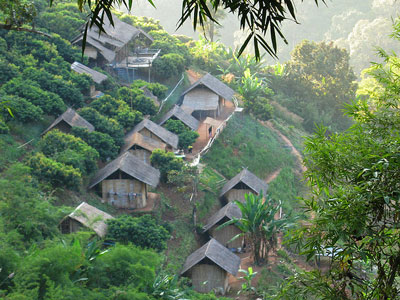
193 76
273 175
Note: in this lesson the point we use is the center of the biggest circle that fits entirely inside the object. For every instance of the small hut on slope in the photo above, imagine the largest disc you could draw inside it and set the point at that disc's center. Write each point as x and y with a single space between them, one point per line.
208 267
224 235
87 216
141 146
96 76
124 181
156 132
70 118
207 97
177 113
243 183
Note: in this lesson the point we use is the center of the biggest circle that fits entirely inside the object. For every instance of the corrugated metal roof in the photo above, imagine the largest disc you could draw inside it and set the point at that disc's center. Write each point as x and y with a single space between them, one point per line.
131 165
217 253
82 69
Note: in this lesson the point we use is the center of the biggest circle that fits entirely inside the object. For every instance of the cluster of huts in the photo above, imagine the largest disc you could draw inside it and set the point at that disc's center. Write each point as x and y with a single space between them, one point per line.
210 265
124 182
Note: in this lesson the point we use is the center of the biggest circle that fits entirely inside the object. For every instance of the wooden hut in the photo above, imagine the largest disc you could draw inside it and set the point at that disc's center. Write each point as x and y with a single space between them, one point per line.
177 113
114 44
70 118
124 181
207 97
156 132
224 235
208 267
243 183
87 216
96 76
141 146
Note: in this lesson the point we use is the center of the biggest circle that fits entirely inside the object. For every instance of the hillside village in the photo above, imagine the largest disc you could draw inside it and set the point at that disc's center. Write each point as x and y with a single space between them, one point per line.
154 166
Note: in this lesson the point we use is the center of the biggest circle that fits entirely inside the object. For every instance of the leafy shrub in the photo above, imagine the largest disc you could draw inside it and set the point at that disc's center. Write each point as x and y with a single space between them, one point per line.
137 100
159 90
22 110
7 71
165 162
55 173
142 231
69 150
169 65
104 124
102 142
3 127
186 136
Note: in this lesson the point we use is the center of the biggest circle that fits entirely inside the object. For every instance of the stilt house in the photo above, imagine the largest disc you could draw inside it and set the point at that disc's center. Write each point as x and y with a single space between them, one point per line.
141 146
207 96
224 235
177 113
70 118
124 181
87 216
243 183
96 76
156 132
208 267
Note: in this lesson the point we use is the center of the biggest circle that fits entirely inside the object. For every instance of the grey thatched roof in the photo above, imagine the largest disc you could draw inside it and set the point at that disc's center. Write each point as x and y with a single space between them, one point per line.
249 179
201 98
82 69
141 140
116 36
131 165
167 136
72 118
217 253
181 115
91 217
231 211
215 85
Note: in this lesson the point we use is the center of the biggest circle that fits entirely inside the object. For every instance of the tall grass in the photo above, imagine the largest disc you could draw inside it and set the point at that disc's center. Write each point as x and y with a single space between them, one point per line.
247 143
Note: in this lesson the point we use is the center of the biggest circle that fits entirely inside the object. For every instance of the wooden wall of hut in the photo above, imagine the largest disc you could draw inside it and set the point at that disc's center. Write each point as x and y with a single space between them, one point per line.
63 127
237 194
224 235
208 277
69 225
143 154
149 134
124 193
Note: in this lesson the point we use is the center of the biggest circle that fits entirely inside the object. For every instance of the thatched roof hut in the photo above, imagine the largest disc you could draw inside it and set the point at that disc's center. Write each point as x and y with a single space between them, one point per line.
178 113
208 267
82 69
141 146
243 183
207 96
150 129
70 118
87 216
124 181
108 44
224 235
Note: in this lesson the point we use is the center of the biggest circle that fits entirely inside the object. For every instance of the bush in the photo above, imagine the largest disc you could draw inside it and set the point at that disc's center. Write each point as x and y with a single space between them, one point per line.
55 173
7 71
104 124
135 99
186 136
169 65
159 90
102 142
22 110
69 150
3 127
165 162
142 231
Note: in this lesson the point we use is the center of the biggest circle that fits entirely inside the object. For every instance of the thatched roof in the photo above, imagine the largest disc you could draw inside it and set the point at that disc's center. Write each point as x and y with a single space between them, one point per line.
72 118
213 122
249 179
166 136
143 141
215 85
201 98
82 69
181 115
131 165
217 253
230 211
116 36
91 217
